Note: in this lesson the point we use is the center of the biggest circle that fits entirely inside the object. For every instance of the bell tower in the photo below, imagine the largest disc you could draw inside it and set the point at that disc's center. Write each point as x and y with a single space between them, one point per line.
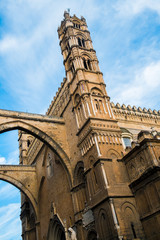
87 87
100 182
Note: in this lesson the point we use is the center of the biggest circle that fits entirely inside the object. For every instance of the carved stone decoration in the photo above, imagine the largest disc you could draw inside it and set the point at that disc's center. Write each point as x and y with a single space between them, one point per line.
73 234
49 165
88 218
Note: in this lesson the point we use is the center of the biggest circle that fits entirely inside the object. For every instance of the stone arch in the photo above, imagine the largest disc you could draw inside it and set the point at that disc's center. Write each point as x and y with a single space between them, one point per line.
130 205
36 132
105 227
96 91
112 152
86 55
77 99
23 189
131 219
79 173
79 34
56 229
80 185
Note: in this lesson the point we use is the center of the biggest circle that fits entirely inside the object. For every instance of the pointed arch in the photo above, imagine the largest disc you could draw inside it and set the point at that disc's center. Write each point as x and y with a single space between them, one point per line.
22 188
80 34
96 91
56 229
42 136
112 153
79 173
105 224
86 55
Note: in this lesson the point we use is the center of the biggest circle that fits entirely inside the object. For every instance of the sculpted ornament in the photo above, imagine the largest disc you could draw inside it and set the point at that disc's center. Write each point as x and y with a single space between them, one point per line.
72 234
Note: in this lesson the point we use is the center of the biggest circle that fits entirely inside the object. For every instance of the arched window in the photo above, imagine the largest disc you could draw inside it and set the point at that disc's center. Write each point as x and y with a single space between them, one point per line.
97 105
127 141
79 42
96 91
77 98
105 227
56 230
99 108
80 181
76 25
87 64
126 138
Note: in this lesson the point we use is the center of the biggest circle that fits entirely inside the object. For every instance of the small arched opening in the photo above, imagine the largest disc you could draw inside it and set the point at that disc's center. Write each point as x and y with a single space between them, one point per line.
56 230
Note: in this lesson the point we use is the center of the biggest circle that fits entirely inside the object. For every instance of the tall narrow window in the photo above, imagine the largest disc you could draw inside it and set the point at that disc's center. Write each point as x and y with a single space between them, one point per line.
76 25
73 68
68 47
79 42
85 64
133 230
89 64
28 143
83 42
127 141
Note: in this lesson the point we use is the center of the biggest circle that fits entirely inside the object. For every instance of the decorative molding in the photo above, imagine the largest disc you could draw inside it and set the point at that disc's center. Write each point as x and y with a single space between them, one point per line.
123 112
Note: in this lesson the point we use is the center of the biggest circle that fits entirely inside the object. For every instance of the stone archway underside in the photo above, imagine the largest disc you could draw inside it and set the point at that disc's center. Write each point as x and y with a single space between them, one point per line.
51 131
24 178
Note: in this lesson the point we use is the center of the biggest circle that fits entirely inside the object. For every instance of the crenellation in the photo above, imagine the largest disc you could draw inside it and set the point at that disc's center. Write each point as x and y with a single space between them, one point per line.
135 114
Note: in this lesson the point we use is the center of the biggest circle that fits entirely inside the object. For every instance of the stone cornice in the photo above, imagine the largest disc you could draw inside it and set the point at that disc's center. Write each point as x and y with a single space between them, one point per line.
123 109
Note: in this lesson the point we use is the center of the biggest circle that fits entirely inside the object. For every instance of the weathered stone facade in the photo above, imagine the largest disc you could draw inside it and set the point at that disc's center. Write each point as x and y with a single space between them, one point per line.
87 165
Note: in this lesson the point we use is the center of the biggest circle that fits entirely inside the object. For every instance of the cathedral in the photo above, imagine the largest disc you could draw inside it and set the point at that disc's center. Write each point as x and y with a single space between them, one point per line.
89 169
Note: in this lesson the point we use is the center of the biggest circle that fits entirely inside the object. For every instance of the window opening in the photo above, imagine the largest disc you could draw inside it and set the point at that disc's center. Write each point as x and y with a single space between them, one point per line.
133 230
68 47
73 68
28 143
127 142
85 64
79 42
101 106
83 42
76 25
89 64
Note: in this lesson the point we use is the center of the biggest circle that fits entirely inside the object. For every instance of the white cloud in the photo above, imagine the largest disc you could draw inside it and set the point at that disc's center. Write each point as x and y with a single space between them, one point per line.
9 222
11 159
7 191
8 43
2 160
131 8
139 90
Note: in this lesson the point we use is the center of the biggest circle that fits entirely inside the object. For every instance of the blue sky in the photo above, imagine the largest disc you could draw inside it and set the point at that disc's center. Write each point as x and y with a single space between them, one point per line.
126 37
